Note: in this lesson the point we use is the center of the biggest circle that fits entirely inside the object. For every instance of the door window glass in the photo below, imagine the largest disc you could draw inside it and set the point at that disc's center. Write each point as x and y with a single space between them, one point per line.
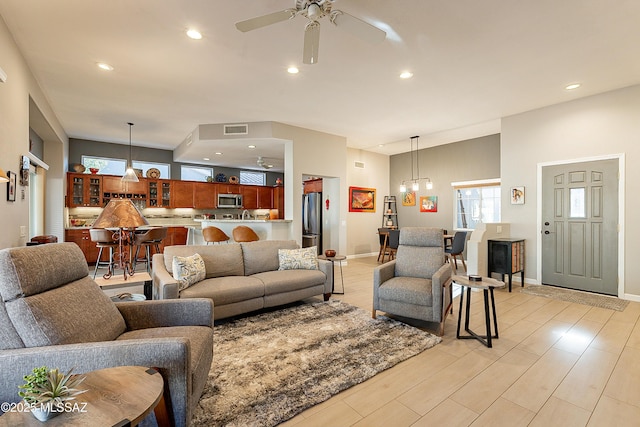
577 203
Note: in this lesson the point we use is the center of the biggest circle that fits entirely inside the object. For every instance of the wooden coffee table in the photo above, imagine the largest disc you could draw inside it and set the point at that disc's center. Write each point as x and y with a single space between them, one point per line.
120 396
487 285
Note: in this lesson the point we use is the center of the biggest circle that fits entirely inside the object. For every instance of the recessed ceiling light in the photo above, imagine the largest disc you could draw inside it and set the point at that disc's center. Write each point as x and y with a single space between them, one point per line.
252 146
572 86
293 70
206 159
406 75
194 34
218 153
380 145
104 66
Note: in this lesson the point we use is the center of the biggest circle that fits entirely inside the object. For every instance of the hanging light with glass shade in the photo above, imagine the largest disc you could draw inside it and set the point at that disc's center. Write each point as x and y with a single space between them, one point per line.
130 174
415 181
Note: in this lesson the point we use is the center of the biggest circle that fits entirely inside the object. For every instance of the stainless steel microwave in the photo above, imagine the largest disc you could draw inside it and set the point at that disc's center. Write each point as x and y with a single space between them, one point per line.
229 201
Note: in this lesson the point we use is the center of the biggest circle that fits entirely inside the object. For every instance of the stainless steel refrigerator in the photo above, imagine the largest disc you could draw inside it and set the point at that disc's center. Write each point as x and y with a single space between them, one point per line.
312 220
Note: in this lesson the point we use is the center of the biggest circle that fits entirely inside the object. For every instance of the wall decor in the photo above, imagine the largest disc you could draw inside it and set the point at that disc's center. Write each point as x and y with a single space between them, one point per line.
429 204
517 195
409 198
362 199
11 186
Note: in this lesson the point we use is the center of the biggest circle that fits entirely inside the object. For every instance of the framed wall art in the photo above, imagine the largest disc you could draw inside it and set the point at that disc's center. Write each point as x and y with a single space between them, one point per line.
362 199
11 187
429 204
409 198
517 195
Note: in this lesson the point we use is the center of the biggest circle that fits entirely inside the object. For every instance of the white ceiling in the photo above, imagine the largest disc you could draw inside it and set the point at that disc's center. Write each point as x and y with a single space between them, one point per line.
473 63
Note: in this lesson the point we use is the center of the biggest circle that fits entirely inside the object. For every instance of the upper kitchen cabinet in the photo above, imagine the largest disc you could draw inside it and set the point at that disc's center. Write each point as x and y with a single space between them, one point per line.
182 194
159 193
257 197
228 188
113 184
84 190
204 195
312 186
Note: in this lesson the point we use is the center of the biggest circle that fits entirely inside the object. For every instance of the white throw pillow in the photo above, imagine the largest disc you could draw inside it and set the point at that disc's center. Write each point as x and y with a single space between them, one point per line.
298 259
188 270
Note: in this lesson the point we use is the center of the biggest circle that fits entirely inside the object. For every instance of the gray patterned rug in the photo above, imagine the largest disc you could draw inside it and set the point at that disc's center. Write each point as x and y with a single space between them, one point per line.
269 367
586 298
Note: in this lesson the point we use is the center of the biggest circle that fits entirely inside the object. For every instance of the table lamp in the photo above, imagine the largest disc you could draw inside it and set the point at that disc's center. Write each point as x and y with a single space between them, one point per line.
124 216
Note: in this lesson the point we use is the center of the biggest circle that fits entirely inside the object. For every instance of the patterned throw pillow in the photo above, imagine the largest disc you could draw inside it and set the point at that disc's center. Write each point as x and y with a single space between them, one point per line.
188 270
298 259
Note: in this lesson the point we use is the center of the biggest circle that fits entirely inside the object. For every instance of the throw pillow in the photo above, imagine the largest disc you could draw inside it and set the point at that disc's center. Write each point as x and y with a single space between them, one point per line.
298 259
188 270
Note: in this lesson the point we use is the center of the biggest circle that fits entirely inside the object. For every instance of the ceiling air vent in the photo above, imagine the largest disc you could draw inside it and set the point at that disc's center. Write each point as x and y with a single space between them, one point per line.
236 129
359 165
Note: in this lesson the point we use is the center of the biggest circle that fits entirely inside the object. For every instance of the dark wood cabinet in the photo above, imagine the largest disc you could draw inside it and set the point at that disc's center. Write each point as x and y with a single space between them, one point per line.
204 195
278 200
257 197
84 190
506 256
182 194
82 238
312 186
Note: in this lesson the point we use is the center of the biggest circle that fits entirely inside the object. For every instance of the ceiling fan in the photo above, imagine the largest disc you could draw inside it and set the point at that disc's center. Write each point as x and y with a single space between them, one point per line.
314 10
263 163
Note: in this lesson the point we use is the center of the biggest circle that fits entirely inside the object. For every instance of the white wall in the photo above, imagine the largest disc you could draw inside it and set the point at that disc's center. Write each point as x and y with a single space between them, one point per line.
15 96
363 226
600 125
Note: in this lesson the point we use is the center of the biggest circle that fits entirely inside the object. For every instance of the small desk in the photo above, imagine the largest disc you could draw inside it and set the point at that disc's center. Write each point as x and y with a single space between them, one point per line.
487 285
333 259
122 395
118 281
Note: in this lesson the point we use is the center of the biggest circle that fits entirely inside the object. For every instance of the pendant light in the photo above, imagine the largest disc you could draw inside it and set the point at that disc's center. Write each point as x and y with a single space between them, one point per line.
415 181
130 174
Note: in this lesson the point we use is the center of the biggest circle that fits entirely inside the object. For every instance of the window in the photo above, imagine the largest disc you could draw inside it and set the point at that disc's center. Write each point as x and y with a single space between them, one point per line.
476 202
253 178
195 173
164 168
105 165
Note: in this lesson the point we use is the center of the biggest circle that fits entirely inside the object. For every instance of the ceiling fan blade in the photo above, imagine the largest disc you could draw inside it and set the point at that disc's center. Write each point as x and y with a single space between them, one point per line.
311 43
357 27
263 21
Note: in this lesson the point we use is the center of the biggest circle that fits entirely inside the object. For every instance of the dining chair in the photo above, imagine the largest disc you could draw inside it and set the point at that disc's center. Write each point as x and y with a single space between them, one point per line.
383 234
456 249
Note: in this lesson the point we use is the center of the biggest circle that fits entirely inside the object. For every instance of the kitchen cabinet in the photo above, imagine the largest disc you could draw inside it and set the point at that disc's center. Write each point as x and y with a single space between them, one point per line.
175 236
228 188
257 197
82 238
159 191
182 194
114 188
312 186
278 200
84 190
204 195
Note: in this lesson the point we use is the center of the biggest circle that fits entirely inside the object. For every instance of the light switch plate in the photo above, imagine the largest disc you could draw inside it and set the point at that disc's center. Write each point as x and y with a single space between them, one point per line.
23 231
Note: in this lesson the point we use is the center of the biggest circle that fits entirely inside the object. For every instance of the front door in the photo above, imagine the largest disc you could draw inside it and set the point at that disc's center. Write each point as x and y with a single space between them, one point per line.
580 226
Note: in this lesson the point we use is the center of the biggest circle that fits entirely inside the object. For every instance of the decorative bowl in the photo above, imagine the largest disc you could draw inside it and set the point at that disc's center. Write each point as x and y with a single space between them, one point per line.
330 253
94 170
78 168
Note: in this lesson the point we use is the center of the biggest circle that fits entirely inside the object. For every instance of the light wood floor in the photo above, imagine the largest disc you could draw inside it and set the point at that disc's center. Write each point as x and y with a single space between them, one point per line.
555 364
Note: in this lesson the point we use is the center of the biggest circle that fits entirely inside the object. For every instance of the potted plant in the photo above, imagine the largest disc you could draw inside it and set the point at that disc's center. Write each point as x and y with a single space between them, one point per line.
45 391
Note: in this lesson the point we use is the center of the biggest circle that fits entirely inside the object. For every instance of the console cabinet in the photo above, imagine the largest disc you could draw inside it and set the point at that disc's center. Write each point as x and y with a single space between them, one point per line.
506 256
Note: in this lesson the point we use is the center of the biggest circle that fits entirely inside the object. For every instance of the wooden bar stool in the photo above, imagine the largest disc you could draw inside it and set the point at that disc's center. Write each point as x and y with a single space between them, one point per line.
103 239
152 237
214 235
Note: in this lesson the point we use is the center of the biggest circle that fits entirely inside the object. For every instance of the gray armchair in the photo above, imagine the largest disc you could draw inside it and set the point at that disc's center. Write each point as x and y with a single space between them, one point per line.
52 313
417 284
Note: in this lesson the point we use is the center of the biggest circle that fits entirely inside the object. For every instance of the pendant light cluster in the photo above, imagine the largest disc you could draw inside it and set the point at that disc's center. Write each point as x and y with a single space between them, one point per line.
415 182
130 174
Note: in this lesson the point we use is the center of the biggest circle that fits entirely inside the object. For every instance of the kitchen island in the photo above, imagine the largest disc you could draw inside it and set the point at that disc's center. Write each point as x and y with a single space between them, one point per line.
278 229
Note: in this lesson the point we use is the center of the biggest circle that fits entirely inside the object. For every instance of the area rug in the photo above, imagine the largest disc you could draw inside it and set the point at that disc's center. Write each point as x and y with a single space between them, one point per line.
579 297
269 367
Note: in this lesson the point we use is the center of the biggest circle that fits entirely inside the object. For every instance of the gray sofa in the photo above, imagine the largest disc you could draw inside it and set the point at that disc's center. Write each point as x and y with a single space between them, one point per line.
242 277
53 314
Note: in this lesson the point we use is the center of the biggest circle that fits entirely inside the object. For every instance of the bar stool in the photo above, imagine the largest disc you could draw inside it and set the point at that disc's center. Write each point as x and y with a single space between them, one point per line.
242 233
383 233
103 239
214 235
152 237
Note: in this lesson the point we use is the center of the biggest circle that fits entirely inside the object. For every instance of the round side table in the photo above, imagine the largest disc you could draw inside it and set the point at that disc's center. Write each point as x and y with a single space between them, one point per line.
333 259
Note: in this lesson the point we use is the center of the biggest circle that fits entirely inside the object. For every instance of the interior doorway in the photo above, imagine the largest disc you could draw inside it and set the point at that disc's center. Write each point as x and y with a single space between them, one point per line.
579 225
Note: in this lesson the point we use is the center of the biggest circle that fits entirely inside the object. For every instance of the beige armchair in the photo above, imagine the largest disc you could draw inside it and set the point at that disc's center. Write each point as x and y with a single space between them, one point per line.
417 284
52 313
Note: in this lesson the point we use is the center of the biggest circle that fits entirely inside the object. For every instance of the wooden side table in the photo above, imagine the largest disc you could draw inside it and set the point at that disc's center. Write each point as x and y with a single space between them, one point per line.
123 395
506 256
333 259
486 285
115 282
